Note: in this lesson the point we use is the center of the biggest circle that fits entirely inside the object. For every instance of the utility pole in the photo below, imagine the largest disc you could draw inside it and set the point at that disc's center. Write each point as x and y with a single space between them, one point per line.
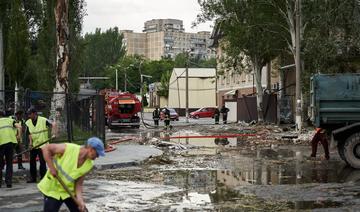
216 87
117 79
125 82
187 87
298 67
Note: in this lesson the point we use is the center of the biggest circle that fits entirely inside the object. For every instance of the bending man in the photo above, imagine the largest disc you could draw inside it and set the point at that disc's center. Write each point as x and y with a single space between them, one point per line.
71 163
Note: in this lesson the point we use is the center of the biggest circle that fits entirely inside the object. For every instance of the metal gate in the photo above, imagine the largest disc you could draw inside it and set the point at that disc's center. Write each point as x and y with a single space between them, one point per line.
247 109
81 116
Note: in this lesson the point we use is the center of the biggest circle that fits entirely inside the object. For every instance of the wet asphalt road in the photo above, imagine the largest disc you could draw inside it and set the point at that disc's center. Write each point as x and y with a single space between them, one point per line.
213 175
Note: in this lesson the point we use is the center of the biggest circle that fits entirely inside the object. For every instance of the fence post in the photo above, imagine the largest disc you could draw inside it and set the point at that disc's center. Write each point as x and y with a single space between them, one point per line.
100 117
68 118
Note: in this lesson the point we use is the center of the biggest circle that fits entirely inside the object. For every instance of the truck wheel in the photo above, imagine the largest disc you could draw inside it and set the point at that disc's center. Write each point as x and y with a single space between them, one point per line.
340 147
352 150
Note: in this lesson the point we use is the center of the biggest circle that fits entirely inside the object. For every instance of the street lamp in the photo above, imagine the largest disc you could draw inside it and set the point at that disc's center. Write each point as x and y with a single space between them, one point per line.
116 77
141 86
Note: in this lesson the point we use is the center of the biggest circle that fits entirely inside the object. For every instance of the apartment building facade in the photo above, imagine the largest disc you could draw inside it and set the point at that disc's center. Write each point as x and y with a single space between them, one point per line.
167 38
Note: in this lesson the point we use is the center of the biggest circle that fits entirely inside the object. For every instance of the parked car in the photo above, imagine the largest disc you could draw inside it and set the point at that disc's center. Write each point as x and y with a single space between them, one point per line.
204 112
173 114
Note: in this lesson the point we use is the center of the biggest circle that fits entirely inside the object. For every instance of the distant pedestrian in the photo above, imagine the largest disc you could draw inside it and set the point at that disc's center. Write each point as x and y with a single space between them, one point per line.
217 115
224 111
19 147
156 116
167 118
70 163
10 132
320 136
37 130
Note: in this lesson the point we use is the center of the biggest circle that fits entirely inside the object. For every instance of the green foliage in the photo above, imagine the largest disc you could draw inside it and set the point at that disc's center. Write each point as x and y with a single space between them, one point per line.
76 14
102 49
330 29
164 84
144 101
30 42
331 40
180 62
133 66
157 68
18 49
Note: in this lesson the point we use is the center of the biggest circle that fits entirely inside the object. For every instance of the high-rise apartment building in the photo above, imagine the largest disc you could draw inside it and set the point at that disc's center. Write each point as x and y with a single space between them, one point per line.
169 25
166 38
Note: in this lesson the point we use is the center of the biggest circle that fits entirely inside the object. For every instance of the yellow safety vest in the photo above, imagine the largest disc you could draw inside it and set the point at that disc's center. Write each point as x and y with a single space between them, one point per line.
7 133
66 166
39 133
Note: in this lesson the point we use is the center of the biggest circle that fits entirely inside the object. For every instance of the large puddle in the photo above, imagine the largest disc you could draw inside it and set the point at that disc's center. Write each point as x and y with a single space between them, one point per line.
214 174
217 174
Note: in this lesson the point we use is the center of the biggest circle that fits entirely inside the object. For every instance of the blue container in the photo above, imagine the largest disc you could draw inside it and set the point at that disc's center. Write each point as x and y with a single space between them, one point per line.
335 99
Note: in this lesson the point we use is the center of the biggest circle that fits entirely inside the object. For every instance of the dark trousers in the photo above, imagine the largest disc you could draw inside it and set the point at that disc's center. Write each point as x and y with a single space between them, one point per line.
216 119
314 146
156 122
33 172
7 151
51 204
167 124
18 149
224 119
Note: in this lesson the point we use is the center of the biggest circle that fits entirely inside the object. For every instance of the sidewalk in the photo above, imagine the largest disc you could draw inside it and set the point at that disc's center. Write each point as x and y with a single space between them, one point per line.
123 156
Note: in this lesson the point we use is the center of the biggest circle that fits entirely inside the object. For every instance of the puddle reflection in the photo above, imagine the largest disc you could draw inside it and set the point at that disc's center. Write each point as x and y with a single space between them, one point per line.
220 185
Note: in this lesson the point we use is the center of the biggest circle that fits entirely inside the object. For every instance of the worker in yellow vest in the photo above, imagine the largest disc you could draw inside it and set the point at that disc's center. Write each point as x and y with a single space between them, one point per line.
71 163
37 130
8 139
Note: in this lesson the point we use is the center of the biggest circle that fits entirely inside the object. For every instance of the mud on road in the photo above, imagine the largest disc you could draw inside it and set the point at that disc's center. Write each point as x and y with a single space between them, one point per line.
233 174
270 171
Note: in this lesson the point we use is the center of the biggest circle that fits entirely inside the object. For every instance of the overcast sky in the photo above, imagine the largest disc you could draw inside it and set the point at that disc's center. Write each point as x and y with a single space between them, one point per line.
131 14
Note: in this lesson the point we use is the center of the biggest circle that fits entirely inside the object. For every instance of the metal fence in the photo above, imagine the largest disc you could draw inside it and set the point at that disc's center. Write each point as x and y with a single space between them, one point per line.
77 116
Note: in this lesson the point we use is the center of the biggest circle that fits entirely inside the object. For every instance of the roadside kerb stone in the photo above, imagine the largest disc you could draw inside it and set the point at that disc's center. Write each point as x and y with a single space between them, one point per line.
123 156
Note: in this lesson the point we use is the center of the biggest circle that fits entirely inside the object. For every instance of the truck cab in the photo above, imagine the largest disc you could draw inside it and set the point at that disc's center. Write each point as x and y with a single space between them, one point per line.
121 110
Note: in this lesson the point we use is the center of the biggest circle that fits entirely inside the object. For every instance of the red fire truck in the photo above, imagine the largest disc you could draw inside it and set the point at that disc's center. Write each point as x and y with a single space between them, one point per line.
121 109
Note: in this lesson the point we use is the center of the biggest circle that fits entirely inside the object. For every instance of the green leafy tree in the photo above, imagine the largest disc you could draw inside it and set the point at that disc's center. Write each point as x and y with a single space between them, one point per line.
249 33
194 62
101 50
164 84
18 49
180 60
4 5
156 68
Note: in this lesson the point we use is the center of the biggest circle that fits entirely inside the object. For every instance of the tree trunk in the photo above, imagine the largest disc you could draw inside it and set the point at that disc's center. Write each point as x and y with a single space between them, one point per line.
259 91
2 72
268 77
62 55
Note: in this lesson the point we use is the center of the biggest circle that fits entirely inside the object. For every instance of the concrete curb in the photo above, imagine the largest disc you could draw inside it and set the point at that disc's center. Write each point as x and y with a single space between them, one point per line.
123 156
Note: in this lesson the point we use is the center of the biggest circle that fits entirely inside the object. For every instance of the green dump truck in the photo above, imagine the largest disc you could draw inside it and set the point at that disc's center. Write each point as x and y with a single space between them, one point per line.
335 106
